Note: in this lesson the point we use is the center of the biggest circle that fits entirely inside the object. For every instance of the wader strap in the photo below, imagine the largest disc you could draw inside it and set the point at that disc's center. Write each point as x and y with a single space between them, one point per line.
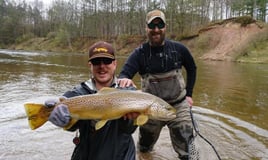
178 101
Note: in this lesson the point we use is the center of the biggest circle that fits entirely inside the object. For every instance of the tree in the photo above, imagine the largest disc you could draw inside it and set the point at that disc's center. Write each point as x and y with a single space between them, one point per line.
111 18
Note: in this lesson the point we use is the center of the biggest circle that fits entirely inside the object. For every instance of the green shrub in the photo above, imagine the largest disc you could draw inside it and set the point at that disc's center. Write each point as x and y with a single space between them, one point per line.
62 37
24 38
51 35
244 20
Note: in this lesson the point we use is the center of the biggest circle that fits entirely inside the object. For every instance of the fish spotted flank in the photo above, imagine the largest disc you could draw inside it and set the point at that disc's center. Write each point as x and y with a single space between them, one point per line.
107 104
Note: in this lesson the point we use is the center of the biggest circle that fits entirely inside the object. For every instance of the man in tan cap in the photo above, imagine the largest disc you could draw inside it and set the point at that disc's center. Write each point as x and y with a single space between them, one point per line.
159 63
114 141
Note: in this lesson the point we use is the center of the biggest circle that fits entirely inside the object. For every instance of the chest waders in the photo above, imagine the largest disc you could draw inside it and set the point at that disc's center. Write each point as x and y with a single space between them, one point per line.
169 86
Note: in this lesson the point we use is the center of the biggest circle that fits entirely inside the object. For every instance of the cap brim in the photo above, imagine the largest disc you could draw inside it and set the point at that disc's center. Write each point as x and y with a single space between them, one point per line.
102 55
154 17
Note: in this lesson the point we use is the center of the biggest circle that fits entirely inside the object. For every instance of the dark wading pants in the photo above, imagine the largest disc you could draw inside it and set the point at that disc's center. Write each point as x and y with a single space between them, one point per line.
180 129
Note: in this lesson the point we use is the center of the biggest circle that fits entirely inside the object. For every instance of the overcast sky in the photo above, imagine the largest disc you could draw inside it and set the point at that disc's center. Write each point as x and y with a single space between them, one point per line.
45 2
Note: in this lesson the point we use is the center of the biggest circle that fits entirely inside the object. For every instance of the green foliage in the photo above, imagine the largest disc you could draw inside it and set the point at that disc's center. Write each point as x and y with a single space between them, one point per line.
62 37
24 37
51 35
244 20
66 20
256 50
118 21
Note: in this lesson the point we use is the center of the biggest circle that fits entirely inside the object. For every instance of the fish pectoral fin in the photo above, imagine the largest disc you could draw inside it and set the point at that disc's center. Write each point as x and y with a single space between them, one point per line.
70 124
100 124
141 119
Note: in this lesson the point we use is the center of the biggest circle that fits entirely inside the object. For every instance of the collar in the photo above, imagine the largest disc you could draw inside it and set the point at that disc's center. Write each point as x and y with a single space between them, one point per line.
92 84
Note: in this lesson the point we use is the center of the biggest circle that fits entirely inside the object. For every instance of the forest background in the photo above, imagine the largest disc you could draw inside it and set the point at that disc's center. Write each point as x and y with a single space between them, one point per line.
72 25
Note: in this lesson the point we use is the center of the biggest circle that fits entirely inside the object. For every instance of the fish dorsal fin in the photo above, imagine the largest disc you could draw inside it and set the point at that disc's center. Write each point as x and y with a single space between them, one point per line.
107 90
141 119
100 124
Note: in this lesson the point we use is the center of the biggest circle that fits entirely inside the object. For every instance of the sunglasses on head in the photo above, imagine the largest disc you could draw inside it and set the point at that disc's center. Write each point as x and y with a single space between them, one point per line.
159 25
97 61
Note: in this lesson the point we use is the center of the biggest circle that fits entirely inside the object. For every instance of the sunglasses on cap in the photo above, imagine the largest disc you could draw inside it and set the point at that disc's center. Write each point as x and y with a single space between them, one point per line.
97 61
159 25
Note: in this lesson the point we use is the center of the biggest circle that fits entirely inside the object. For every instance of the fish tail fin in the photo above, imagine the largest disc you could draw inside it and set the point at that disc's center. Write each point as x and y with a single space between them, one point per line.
37 114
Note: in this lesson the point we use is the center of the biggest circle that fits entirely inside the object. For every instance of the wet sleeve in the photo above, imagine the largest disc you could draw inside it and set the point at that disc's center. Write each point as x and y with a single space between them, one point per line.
190 67
131 66
70 94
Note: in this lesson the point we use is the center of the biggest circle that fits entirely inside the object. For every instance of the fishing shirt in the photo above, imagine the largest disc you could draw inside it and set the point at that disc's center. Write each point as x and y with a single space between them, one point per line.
111 142
161 59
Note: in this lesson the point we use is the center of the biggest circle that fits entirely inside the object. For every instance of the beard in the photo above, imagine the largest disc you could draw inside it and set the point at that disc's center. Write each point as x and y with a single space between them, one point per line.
156 39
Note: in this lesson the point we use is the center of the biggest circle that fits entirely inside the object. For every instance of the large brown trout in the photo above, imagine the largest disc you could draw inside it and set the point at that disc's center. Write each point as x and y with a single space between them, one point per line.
107 104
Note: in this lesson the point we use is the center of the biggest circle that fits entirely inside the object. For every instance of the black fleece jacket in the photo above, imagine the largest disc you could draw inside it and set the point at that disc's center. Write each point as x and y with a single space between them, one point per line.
113 141
172 55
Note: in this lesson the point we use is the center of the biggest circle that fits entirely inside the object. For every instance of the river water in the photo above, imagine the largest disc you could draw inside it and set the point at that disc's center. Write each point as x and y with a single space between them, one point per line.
230 107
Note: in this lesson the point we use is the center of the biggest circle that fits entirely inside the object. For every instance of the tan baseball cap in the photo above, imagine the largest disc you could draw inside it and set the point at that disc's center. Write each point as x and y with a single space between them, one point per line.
101 49
155 14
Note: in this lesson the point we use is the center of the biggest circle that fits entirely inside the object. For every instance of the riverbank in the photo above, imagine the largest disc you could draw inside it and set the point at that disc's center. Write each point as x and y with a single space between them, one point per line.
241 39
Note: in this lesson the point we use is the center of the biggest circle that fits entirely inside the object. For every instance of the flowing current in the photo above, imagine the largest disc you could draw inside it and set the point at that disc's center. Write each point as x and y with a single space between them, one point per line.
231 107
